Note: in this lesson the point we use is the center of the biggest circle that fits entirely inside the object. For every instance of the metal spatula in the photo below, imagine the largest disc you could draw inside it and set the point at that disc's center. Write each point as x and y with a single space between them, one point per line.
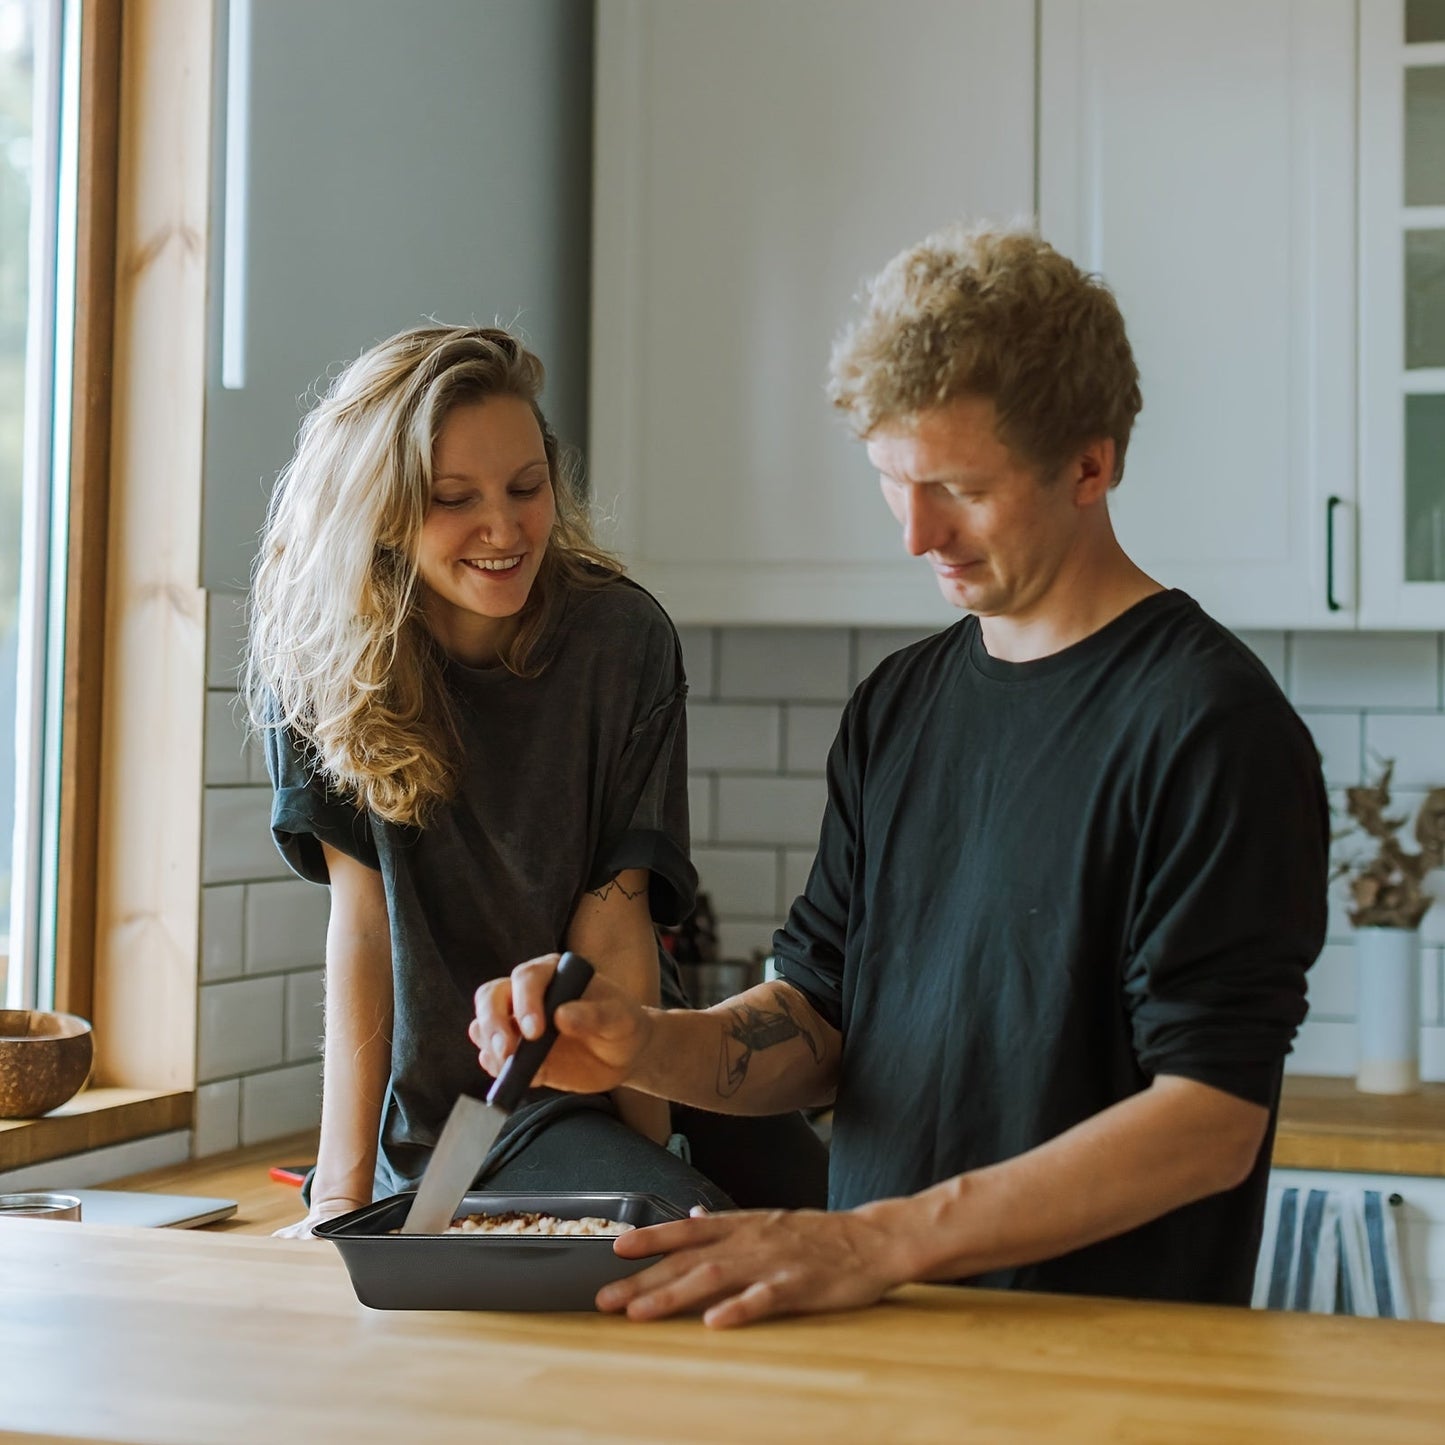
472 1127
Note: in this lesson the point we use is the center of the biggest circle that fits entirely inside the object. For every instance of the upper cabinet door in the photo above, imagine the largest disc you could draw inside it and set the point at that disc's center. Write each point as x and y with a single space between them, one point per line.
1402 313
755 161
1202 159
379 164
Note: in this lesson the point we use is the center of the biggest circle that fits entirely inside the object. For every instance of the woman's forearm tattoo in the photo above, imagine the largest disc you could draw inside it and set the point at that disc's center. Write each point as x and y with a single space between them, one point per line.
750 1028
606 890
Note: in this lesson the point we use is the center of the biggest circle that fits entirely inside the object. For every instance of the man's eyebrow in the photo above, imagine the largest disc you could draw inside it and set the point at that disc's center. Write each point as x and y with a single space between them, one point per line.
942 479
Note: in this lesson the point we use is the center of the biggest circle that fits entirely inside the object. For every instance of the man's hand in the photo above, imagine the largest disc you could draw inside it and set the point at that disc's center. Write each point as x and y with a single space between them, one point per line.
600 1039
738 1268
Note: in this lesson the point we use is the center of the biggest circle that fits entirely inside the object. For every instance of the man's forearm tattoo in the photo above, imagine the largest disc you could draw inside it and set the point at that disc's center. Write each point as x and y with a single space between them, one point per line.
616 884
749 1029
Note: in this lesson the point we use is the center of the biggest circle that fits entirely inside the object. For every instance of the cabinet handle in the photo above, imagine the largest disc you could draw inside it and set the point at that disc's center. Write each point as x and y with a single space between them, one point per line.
1331 601
237 196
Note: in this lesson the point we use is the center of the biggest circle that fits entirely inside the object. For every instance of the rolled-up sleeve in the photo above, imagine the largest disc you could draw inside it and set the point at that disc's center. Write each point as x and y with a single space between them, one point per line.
305 812
645 815
1231 903
809 949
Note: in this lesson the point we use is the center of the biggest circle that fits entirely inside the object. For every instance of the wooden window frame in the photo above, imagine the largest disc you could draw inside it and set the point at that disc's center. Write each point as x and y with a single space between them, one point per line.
133 705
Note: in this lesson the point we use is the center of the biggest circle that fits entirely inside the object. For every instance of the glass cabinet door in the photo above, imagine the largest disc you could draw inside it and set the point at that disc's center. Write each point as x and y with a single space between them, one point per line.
1402 312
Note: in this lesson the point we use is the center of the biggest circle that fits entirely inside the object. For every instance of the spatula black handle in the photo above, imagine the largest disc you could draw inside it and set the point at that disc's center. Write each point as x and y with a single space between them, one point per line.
569 982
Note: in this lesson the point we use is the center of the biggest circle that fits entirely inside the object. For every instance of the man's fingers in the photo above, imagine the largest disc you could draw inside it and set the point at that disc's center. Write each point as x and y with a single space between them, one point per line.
759 1301
690 1233
529 983
693 1286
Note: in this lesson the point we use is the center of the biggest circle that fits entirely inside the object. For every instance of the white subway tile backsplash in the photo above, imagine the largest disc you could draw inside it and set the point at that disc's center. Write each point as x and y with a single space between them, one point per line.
304 1019
1339 929
241 1027
1269 647
1432 1053
743 937
1323 1046
100 1166
225 639
876 643
699 807
1332 993
797 864
218 1118
237 837
281 1101
770 810
1364 669
761 699
802 663
1430 986
226 745
1332 983
738 880
286 925
733 735
810 729
699 648
1337 736
223 933
1416 742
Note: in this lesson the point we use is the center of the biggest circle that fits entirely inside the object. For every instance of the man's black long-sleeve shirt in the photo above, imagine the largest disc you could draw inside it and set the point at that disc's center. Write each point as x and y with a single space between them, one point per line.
1041 884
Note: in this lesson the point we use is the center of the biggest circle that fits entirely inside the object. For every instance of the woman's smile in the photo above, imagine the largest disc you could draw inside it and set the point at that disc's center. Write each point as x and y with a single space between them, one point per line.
491 486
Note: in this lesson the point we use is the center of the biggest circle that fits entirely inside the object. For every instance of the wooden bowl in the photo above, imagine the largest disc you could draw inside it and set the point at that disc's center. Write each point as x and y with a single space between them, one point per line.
44 1060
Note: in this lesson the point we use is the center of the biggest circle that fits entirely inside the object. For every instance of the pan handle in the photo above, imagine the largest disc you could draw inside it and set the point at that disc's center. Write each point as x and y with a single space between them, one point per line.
569 982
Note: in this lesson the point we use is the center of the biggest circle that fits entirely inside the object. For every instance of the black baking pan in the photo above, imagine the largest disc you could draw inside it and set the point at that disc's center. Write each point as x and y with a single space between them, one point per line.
488 1271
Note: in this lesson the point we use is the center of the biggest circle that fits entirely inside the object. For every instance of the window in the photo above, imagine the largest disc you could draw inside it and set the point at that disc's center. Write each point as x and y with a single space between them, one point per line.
38 95
110 933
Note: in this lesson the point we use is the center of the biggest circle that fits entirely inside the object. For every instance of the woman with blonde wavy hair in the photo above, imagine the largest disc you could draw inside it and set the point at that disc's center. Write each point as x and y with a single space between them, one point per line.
475 728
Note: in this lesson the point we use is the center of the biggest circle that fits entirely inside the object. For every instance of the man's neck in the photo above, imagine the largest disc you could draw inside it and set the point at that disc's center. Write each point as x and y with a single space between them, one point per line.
1075 607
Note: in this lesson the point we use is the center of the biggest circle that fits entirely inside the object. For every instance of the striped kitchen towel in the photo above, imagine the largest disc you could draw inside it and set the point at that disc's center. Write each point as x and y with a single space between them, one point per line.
1332 1252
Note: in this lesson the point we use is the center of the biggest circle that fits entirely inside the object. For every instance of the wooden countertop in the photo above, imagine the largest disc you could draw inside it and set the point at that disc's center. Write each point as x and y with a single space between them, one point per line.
1325 1124
262 1205
205 1338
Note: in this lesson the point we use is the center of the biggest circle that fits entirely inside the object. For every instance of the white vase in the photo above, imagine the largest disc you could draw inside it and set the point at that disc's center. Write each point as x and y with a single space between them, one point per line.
1387 1010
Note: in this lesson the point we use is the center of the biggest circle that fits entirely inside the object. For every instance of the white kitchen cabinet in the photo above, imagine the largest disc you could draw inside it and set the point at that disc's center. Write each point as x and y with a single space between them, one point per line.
754 161
1202 158
1402 313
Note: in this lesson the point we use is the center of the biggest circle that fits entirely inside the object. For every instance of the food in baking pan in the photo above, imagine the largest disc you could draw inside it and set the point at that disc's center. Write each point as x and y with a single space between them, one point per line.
526 1221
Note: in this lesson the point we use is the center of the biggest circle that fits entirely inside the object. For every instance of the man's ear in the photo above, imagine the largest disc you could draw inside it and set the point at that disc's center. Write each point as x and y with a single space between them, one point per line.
1094 472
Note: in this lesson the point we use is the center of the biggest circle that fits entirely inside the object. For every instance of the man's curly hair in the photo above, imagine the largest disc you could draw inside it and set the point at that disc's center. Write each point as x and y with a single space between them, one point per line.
995 313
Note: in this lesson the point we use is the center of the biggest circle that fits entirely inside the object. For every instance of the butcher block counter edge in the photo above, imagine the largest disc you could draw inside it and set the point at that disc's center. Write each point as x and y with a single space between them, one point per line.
1325 1123
93 1119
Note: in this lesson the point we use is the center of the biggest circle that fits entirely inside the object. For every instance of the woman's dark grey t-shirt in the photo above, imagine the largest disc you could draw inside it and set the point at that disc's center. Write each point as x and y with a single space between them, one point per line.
568 777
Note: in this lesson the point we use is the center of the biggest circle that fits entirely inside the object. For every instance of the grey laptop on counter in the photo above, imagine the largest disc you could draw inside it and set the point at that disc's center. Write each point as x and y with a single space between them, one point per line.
149 1211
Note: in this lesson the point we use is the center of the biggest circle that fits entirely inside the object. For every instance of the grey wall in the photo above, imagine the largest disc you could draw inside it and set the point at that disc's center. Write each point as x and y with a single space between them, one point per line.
431 158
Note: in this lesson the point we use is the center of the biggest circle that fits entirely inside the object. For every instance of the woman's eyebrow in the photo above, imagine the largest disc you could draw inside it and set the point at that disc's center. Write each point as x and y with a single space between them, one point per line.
467 477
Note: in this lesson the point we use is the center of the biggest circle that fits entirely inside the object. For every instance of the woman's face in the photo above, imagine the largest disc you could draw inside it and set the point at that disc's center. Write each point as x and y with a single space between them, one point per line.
486 526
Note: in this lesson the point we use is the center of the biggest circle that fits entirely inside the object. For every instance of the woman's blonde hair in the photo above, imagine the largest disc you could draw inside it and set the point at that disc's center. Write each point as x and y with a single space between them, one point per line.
338 649
995 313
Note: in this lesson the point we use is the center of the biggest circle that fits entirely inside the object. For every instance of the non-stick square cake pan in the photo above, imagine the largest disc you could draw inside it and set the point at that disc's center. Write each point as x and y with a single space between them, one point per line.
489 1271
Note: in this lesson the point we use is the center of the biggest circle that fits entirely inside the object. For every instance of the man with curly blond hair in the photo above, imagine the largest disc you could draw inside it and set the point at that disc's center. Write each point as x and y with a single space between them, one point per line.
1071 875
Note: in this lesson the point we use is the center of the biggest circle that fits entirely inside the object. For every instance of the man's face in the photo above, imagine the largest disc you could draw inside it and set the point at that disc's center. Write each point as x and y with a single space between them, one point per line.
993 531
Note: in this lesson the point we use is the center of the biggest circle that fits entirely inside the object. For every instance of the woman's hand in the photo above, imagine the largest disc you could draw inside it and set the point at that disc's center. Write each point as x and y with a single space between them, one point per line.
601 1037
320 1213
